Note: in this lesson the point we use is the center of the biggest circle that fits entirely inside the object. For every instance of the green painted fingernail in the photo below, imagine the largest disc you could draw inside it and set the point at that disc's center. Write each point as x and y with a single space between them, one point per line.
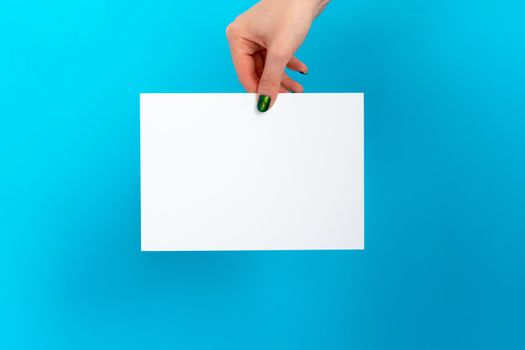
264 103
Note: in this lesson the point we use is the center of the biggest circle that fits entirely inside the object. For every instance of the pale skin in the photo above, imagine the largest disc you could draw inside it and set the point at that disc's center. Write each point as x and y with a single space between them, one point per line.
263 42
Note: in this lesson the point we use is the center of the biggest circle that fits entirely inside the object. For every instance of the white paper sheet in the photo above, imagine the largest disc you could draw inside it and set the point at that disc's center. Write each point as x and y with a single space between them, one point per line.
218 175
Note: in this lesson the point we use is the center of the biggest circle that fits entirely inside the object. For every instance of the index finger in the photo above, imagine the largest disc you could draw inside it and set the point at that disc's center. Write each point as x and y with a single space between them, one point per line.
243 60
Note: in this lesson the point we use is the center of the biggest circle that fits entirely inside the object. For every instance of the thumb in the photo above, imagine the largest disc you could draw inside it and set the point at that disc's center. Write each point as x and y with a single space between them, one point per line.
270 81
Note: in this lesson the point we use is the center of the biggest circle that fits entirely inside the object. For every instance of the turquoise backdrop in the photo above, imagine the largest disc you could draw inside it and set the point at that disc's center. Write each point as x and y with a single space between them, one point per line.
444 265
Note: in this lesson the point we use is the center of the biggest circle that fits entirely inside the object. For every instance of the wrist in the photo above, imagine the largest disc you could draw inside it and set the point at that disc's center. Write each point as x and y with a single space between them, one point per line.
313 7
316 6
321 4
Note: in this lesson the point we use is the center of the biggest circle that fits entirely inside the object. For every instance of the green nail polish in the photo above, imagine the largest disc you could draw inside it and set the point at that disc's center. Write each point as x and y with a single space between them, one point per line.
264 103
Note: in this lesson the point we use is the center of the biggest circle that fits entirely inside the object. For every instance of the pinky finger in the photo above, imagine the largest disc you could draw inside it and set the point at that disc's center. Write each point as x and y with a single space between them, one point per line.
291 85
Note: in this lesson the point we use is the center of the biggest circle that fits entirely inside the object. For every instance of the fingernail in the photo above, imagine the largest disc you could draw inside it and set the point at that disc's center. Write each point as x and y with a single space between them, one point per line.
264 103
303 73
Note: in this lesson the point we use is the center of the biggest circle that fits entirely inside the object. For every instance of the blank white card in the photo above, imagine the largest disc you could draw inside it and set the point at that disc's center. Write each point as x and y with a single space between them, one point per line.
218 175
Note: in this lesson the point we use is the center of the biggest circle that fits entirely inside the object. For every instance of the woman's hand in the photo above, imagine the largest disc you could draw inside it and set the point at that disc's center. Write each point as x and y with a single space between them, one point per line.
263 41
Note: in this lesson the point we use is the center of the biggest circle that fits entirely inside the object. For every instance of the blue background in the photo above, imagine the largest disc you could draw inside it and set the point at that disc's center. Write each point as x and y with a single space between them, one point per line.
444 265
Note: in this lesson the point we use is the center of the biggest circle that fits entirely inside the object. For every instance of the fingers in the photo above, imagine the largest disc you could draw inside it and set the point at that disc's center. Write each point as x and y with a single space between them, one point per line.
291 85
287 83
245 67
262 71
242 60
270 81
298 66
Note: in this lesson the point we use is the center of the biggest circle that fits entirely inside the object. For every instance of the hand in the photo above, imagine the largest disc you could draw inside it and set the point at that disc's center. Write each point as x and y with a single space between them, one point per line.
263 41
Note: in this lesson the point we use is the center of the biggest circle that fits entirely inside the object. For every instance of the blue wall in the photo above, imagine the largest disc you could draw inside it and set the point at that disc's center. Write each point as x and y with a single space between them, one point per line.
444 265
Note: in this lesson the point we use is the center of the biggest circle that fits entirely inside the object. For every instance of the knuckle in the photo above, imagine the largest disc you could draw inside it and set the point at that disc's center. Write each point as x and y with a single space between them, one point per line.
231 30
268 84
280 53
